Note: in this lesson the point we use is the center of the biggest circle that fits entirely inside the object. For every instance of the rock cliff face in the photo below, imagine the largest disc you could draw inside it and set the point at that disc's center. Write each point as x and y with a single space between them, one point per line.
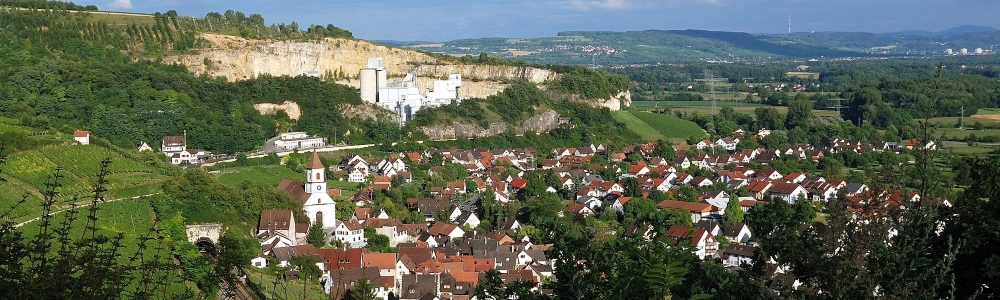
237 59
290 108
543 122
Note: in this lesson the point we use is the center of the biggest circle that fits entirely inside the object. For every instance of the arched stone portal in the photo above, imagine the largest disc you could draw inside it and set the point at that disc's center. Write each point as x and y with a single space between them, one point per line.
205 236
205 245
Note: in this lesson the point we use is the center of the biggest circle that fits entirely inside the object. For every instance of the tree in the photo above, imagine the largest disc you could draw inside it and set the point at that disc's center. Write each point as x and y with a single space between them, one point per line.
639 209
316 235
632 187
362 290
657 195
799 113
377 242
734 212
490 286
768 117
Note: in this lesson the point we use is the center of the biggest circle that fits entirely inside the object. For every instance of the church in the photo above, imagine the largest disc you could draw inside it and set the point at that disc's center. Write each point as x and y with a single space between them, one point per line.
313 194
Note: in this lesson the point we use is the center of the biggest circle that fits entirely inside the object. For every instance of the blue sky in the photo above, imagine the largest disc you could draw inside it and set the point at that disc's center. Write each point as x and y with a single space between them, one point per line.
442 20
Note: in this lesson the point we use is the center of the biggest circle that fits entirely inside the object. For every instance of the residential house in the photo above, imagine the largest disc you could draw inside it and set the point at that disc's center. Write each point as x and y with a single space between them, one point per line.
789 192
736 255
704 242
738 233
350 233
82 137
698 211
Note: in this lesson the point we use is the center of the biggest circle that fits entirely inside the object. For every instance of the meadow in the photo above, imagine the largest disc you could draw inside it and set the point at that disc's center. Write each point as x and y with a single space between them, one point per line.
636 125
670 125
705 107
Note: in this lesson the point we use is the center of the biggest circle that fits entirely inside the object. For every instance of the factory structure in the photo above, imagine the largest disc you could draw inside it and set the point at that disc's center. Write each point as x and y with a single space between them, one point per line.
403 95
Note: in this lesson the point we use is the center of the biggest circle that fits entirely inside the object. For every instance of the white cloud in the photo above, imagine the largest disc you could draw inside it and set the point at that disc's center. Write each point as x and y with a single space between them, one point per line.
710 2
605 4
120 4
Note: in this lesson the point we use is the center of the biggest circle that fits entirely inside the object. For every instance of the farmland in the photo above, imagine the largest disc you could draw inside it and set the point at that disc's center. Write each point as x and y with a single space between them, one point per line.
132 219
271 175
670 126
26 173
636 125
705 107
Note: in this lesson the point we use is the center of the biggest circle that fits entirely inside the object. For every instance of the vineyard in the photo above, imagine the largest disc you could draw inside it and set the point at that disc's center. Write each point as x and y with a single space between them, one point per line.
27 172
133 219
671 126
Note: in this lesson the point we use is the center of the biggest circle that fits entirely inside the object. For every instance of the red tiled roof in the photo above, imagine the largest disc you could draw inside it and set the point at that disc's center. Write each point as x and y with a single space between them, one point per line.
380 260
314 162
688 206
341 258
81 133
518 182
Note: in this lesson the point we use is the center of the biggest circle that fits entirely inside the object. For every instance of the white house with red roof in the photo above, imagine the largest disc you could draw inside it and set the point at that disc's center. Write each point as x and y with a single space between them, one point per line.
703 241
82 137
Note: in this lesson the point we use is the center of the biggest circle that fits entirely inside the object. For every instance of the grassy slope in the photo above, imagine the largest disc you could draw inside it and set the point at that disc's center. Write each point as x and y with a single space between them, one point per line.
133 219
670 126
26 172
271 175
988 111
636 125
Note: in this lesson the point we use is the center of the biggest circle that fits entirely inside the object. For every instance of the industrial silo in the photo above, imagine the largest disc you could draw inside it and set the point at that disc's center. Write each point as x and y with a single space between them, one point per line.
368 78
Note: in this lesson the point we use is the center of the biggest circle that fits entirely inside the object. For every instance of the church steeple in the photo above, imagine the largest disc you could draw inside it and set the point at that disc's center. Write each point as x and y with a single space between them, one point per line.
315 175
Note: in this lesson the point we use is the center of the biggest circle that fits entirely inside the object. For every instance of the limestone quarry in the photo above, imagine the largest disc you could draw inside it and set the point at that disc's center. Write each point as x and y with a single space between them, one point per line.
237 59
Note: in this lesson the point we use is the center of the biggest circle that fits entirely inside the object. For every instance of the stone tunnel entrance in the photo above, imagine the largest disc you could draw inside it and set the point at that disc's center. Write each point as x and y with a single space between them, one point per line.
205 236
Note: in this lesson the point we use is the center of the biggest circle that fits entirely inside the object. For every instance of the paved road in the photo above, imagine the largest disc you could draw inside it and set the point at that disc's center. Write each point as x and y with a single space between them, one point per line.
286 153
88 203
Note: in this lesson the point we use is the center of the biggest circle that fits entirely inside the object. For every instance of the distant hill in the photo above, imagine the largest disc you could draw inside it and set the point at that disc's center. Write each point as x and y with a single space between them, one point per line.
635 47
396 43
950 31
904 43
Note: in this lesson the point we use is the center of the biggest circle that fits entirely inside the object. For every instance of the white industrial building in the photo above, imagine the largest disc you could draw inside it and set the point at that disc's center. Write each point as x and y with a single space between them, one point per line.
403 95
298 140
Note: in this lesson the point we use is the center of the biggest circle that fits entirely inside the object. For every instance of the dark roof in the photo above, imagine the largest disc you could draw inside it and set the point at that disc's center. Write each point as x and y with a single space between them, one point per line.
294 188
739 250
273 219
173 140
734 229
418 285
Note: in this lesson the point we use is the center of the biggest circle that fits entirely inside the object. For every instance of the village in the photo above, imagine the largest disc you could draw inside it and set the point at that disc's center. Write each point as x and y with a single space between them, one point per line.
448 250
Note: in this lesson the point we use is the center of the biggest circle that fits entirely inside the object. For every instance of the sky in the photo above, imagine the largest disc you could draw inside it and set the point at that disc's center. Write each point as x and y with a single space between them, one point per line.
444 20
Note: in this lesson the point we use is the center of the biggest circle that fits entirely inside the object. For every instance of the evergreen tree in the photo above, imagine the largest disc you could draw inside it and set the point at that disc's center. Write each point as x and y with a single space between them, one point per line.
362 290
316 235
734 212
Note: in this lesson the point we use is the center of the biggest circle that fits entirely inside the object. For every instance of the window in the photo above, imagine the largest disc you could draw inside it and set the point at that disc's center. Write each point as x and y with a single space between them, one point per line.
317 175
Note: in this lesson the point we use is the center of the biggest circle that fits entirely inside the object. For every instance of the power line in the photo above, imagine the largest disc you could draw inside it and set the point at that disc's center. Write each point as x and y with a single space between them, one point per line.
711 88
838 106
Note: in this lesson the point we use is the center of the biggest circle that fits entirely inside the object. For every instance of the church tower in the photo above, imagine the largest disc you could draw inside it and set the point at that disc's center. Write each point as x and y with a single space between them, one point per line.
315 176
319 206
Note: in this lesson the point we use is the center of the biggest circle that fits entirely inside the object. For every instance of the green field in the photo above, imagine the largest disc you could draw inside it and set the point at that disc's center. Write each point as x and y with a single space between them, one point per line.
646 105
133 219
705 107
670 126
121 18
958 134
988 111
272 175
26 173
970 150
636 125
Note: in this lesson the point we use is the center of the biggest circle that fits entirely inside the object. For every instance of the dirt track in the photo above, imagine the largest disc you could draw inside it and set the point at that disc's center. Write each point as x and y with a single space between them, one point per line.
995 117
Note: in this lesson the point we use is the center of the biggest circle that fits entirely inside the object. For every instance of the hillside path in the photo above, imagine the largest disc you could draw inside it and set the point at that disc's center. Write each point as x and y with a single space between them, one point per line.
85 205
